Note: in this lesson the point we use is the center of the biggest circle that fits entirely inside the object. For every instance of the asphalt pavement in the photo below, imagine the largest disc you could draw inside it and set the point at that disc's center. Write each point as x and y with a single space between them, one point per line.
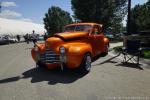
108 80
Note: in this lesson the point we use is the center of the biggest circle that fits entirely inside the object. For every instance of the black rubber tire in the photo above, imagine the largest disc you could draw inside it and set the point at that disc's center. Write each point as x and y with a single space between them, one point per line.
85 66
40 65
105 53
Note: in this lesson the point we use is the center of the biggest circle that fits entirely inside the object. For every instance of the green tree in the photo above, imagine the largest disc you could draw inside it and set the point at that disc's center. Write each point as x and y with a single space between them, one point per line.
100 11
140 17
117 25
55 20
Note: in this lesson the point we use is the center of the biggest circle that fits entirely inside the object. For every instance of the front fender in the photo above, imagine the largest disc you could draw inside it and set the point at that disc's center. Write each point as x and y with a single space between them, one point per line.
75 53
41 50
80 49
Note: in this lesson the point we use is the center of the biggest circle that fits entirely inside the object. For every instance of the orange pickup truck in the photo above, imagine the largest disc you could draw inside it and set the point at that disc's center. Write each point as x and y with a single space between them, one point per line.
74 48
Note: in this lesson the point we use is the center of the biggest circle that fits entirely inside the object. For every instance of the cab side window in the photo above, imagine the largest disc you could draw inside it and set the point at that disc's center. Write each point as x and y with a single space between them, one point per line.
96 30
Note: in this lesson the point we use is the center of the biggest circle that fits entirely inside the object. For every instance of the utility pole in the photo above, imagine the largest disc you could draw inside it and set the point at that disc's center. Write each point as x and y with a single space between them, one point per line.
128 27
129 18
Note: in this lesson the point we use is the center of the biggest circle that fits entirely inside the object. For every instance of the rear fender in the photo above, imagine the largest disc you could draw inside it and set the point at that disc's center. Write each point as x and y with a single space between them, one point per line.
106 45
106 41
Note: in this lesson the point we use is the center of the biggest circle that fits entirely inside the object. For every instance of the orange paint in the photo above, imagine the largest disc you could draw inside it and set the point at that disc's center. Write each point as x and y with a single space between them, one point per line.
76 43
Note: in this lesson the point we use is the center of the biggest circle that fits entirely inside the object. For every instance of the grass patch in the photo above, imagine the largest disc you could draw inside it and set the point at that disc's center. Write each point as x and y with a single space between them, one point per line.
118 48
145 52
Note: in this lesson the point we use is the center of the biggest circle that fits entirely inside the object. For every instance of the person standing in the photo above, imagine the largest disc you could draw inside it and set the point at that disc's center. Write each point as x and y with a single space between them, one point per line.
45 36
34 39
27 38
18 38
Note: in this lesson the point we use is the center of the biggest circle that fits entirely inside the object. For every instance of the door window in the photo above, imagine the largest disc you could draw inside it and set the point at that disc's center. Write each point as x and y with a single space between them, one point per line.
96 30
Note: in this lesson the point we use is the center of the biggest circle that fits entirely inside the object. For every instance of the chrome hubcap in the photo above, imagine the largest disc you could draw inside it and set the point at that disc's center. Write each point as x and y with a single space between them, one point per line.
88 63
107 47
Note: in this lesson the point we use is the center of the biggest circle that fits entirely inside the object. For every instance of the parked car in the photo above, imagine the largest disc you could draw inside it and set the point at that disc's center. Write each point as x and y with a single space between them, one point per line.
6 39
41 38
12 40
76 47
119 35
109 35
3 40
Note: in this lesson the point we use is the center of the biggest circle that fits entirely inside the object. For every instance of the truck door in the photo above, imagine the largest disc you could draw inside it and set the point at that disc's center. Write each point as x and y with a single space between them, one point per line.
97 32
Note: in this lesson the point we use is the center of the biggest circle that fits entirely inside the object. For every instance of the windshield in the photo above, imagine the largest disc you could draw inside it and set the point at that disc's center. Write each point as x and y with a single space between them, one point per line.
85 28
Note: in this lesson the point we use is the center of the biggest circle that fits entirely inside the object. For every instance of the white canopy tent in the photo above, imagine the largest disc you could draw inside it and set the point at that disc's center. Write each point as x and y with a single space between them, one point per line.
15 27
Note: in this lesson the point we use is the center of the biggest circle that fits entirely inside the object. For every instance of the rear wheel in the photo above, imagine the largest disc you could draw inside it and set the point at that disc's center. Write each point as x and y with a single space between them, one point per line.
106 50
86 63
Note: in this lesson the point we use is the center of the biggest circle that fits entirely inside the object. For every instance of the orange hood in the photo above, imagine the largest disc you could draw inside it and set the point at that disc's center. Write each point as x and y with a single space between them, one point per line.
71 35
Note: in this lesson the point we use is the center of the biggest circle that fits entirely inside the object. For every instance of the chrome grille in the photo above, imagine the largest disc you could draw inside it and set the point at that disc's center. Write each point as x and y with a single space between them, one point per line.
42 58
50 57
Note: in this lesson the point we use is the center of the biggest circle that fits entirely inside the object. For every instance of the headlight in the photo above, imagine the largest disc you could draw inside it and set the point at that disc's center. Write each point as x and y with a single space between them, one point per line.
36 49
62 54
62 50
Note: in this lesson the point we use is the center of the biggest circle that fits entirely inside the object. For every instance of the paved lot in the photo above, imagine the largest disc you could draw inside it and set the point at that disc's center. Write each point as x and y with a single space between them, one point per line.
112 45
20 80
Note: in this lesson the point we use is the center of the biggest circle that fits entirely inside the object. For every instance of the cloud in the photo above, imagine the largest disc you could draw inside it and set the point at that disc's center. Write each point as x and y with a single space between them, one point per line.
8 4
10 14
26 19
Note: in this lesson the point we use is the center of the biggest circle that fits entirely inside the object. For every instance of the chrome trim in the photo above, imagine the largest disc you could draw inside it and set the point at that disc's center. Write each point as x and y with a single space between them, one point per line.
50 57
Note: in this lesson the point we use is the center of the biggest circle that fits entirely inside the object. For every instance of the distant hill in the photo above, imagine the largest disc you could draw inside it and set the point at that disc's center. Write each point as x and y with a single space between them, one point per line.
14 27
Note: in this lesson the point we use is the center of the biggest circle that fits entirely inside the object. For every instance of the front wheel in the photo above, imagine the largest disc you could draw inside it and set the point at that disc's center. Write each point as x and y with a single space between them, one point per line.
40 65
86 63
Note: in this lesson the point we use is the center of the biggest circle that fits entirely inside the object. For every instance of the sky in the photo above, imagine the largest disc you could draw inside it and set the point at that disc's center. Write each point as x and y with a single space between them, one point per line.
34 10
